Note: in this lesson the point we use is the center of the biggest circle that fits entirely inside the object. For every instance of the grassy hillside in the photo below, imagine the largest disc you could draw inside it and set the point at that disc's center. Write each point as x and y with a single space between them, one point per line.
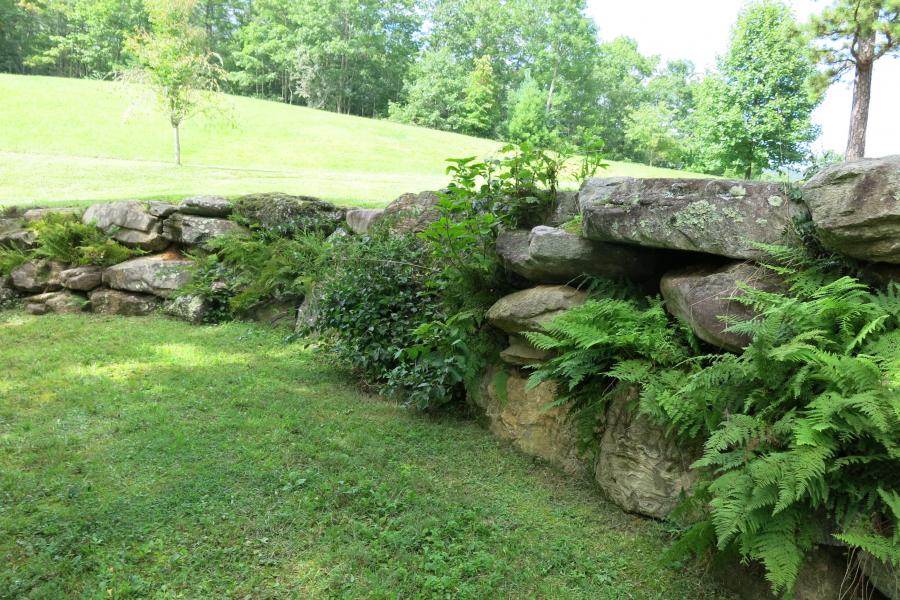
77 141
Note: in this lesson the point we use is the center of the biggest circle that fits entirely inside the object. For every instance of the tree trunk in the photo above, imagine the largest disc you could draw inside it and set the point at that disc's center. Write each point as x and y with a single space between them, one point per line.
177 145
862 94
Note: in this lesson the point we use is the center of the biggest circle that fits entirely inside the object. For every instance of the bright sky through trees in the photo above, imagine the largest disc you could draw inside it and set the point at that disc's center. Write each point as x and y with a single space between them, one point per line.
699 30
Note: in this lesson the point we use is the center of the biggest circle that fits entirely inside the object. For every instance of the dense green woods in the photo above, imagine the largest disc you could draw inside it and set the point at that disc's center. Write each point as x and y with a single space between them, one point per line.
524 70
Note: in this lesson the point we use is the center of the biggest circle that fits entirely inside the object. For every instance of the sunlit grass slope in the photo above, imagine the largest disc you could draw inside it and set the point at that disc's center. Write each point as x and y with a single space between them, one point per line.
146 458
65 141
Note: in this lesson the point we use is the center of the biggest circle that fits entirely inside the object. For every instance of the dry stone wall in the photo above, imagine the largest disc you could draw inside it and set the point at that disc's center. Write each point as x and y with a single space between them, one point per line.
695 241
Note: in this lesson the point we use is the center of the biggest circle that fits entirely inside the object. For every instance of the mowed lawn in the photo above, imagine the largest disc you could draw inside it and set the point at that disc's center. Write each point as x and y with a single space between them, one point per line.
145 458
69 141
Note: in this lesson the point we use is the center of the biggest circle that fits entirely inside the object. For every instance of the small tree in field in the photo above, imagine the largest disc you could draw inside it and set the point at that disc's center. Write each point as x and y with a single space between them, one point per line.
173 61
852 35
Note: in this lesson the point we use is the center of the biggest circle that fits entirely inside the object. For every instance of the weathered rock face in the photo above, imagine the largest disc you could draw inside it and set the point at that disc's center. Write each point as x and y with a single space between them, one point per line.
287 214
523 417
275 313
566 208
81 278
885 578
13 235
532 309
360 219
521 353
637 467
158 275
36 214
713 216
127 222
114 302
194 230
701 295
412 213
37 276
7 294
206 206
161 209
856 208
192 309
55 302
551 255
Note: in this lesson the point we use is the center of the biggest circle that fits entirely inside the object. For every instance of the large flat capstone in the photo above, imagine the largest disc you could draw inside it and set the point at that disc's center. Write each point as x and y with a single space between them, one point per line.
714 216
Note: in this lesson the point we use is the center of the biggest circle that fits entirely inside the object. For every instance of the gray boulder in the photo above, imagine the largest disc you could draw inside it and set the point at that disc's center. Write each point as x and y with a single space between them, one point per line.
527 418
81 278
856 208
161 209
114 302
196 231
190 308
37 276
532 309
206 206
360 219
36 214
704 297
159 275
714 216
551 255
59 303
127 222
638 467
412 213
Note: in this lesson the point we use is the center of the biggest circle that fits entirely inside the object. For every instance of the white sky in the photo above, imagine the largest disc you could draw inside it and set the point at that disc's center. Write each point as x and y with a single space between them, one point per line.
699 30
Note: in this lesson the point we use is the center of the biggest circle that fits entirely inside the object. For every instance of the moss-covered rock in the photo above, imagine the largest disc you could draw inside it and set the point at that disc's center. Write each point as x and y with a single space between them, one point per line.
286 215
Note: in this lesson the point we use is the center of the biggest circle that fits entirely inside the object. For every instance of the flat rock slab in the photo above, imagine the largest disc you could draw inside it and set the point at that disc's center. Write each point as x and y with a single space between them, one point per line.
638 467
37 276
721 217
129 223
551 255
161 209
157 275
520 352
115 302
360 219
21 238
206 206
704 297
855 207
196 231
81 278
59 303
532 309
286 214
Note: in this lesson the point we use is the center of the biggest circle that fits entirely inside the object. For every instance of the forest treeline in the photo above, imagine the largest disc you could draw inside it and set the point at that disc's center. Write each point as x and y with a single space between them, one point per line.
519 70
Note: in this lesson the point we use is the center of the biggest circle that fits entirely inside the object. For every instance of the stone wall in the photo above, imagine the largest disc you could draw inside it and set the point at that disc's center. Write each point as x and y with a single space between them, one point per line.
694 241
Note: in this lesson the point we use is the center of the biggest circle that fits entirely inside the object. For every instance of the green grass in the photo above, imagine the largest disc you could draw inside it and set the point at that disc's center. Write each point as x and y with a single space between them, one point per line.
68 141
144 458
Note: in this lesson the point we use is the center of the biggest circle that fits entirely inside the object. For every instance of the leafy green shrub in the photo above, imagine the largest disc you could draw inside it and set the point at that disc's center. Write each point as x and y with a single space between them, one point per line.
372 299
75 243
801 430
10 258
